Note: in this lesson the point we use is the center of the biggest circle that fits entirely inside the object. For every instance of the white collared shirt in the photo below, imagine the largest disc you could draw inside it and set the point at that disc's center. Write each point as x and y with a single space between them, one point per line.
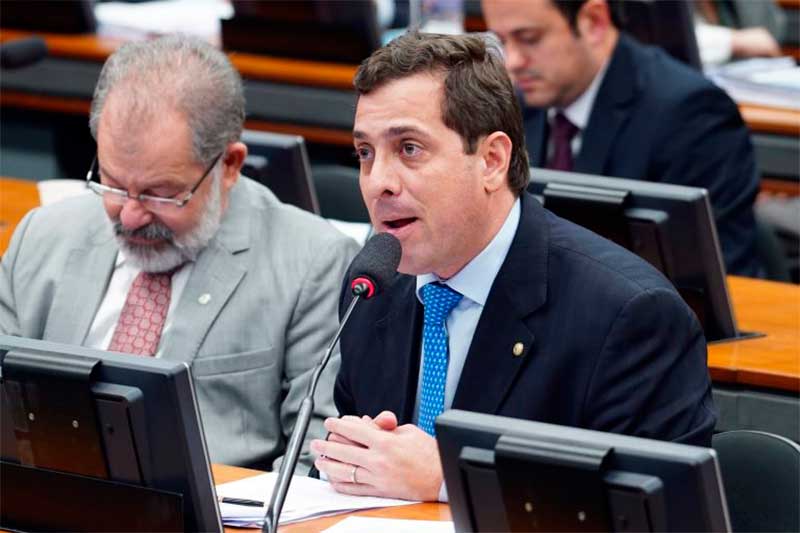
474 282
105 321
578 112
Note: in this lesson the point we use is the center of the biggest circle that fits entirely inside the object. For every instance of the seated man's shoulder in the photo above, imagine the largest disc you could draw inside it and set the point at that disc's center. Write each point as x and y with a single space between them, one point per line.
669 81
65 222
597 266
290 227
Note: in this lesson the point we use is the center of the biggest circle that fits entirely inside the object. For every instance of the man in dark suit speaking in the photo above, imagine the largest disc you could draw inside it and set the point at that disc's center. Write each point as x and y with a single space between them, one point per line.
599 102
501 306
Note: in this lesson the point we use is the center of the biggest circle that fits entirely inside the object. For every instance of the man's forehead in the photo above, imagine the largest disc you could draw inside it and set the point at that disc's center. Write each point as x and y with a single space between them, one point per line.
508 17
125 128
410 103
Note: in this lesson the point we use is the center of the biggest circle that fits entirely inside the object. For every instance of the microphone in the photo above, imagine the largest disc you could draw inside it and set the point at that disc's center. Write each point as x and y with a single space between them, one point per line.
372 270
22 52
375 266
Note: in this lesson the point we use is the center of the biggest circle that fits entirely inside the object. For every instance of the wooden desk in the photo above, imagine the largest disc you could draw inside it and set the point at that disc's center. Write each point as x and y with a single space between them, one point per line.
772 361
17 197
420 511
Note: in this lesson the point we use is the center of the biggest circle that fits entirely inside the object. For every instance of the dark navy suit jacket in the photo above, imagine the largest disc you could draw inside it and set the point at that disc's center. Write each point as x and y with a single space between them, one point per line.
609 344
656 119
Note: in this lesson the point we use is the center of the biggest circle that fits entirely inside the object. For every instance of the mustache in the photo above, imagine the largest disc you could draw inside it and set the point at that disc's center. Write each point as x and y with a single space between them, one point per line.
528 74
152 231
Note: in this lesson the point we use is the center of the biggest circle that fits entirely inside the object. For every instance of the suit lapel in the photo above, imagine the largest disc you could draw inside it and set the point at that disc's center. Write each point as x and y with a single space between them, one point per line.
535 121
609 112
518 291
399 333
217 272
81 288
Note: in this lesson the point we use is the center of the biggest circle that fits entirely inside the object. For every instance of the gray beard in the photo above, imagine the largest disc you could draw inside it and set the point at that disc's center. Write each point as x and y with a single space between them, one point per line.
174 250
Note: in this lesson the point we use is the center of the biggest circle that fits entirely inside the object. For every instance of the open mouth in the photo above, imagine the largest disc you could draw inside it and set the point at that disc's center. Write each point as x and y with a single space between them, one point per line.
399 223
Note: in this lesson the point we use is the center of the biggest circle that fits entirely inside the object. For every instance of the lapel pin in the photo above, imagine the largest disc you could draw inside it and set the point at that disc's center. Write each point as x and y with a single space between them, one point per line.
518 349
204 299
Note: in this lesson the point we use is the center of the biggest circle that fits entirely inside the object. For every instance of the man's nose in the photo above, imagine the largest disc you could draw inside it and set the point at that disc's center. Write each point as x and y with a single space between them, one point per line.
383 178
134 215
514 57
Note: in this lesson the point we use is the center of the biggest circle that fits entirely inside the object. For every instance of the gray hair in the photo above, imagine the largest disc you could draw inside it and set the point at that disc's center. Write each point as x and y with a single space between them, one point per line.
184 74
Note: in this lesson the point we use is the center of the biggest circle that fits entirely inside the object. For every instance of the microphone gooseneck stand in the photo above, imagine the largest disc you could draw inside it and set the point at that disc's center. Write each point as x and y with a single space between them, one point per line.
301 427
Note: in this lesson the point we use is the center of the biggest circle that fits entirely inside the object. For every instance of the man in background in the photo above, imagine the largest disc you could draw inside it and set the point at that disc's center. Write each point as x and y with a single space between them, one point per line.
598 102
501 307
178 256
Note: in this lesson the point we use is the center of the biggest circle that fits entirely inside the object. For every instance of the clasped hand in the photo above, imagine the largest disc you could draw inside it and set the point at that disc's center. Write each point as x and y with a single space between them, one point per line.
390 461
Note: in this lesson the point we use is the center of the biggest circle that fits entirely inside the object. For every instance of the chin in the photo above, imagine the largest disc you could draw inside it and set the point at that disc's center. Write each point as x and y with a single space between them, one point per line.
539 99
153 258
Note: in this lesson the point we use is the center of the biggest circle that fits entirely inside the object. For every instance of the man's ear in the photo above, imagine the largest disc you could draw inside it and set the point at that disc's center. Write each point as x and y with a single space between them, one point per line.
232 164
495 157
593 21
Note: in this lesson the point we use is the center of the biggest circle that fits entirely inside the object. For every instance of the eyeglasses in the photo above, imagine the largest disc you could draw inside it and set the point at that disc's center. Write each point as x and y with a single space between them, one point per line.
149 201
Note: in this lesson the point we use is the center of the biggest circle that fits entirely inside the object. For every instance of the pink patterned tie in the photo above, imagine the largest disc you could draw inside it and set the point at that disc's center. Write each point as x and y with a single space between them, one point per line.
142 318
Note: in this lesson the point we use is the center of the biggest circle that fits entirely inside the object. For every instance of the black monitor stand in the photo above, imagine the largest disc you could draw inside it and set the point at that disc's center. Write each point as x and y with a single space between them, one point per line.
73 439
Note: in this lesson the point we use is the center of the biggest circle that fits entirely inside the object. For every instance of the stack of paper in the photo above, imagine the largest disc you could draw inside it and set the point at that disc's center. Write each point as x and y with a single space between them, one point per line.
307 498
363 524
192 17
766 81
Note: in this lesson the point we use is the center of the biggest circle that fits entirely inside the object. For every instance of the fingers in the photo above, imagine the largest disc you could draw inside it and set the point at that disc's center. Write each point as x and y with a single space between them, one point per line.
344 453
343 472
386 420
335 437
355 429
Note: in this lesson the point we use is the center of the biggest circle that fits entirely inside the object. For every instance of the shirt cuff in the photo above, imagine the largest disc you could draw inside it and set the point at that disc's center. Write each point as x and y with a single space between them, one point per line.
443 493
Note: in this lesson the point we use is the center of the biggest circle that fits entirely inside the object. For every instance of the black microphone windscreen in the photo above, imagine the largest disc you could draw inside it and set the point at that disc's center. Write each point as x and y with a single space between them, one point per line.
22 52
378 260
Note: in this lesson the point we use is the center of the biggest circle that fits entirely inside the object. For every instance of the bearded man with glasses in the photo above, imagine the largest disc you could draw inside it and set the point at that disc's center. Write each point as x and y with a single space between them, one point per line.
178 256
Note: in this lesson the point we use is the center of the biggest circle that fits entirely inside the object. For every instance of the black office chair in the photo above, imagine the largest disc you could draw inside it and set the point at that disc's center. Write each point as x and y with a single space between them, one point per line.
338 193
770 252
761 475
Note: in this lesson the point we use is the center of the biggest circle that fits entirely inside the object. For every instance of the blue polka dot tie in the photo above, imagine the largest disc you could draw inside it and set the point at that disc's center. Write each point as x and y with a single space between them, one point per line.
439 300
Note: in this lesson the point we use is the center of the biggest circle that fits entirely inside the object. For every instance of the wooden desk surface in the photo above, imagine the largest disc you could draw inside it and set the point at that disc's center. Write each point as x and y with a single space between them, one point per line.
17 197
307 73
420 511
772 361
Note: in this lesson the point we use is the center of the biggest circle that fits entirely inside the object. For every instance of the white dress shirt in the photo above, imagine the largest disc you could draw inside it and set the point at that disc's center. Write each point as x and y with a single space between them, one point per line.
578 112
105 321
474 282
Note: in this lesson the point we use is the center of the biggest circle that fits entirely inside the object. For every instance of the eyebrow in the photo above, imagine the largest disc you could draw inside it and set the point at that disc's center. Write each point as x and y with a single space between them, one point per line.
103 172
395 131
158 183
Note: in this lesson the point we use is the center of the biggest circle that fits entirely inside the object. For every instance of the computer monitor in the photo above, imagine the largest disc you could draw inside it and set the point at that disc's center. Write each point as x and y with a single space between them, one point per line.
341 31
281 163
670 226
98 441
56 16
665 23
505 474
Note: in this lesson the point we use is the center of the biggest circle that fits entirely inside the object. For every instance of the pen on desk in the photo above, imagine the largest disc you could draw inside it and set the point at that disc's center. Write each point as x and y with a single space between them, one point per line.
240 501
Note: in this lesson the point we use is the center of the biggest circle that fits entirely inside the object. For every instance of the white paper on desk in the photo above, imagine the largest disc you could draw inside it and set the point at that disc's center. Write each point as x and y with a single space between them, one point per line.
773 81
307 498
366 524
193 17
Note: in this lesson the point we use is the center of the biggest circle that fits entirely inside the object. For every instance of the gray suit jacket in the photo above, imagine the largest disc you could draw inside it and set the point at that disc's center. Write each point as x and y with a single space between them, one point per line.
273 273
